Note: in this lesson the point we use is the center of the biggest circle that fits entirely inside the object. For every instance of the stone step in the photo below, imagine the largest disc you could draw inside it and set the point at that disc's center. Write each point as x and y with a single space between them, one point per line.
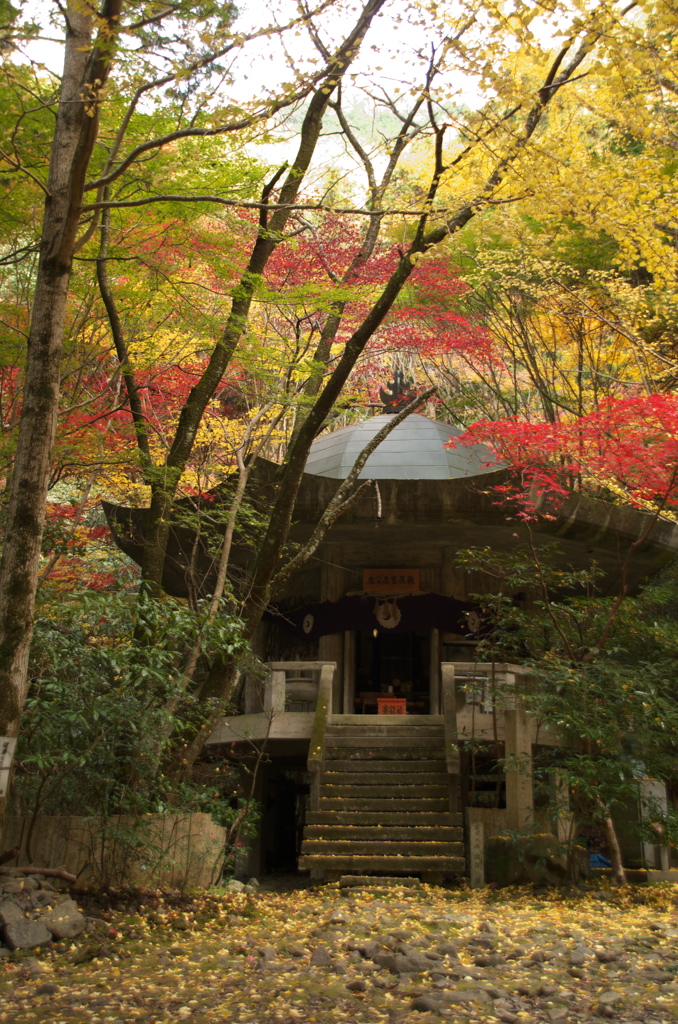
406 767
356 779
384 804
417 818
399 742
406 865
346 752
386 833
360 732
352 847
378 791
390 721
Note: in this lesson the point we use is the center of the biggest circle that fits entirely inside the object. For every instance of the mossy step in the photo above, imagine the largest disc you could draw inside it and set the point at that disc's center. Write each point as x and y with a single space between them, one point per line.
385 804
374 778
425 752
446 865
399 742
387 833
352 847
428 819
391 721
382 881
378 791
373 731
406 767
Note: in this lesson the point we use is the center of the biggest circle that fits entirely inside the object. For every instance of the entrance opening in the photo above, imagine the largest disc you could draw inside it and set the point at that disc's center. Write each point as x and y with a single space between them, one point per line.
286 799
397 664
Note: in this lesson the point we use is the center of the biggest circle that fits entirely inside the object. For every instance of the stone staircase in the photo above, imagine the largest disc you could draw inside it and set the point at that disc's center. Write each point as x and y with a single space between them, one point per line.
381 800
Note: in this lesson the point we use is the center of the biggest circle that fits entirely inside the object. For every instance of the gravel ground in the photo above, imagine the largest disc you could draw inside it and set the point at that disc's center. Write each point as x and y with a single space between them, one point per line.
322 955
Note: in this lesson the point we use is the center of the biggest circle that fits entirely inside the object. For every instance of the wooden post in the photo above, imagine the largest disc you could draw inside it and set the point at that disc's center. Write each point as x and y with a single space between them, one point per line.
434 673
349 672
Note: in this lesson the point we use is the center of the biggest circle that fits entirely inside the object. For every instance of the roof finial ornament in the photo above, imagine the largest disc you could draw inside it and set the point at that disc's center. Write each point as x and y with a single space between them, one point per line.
398 393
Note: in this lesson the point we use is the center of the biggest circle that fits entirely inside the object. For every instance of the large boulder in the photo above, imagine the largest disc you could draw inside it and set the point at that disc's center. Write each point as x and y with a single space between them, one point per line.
10 912
64 921
25 934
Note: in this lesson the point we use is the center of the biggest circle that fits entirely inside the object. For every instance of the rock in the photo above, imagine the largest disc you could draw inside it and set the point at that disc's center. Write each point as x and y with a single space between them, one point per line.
358 985
30 884
397 963
25 934
493 960
558 1013
297 950
465 995
424 1004
250 889
321 957
48 988
578 956
337 918
448 949
235 886
548 990
10 911
41 899
610 998
64 921
13 886
488 927
268 953
606 956
507 1017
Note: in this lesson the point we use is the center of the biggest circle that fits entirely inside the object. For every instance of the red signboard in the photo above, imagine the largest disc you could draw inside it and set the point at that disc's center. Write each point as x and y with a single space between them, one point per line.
390 581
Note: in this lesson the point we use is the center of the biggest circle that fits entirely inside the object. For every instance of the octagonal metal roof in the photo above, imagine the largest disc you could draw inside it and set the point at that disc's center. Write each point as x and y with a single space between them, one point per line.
414 450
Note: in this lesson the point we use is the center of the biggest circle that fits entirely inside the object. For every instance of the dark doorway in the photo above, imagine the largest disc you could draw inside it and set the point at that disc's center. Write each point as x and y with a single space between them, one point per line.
397 663
287 794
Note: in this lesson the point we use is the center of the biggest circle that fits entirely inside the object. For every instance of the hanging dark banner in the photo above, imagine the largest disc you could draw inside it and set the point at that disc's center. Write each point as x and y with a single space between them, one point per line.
396 615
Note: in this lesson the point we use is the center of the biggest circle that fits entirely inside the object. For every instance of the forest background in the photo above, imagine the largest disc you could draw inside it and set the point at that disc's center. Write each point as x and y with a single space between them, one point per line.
219 237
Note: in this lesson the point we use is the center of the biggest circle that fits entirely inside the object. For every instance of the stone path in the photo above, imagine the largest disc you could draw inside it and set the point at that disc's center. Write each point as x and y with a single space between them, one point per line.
405 956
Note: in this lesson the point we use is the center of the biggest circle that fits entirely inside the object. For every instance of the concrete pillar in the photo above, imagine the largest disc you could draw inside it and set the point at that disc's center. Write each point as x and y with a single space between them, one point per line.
349 672
434 673
559 792
653 797
476 854
332 587
519 796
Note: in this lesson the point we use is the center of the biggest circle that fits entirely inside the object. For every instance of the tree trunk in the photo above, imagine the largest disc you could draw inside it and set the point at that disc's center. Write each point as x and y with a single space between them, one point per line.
618 873
163 488
85 71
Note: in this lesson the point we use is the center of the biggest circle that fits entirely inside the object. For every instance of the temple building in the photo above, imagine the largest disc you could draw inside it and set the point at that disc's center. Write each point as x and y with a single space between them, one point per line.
374 710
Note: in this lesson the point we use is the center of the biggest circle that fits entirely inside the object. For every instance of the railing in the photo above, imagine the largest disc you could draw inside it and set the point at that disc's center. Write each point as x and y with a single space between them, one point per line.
449 695
294 685
316 750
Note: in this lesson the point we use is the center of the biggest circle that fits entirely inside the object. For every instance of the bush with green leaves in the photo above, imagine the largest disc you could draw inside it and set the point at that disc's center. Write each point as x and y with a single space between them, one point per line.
104 704
602 672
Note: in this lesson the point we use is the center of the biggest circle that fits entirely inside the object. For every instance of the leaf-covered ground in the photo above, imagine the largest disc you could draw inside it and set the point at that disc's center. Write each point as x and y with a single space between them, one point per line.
318 955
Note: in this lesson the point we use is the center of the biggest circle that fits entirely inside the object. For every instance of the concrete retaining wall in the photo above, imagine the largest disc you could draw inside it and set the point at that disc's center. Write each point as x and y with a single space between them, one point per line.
167 850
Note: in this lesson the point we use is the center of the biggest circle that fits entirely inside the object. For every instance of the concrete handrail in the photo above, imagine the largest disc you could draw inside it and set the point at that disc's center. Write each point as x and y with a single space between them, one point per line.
316 750
450 717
